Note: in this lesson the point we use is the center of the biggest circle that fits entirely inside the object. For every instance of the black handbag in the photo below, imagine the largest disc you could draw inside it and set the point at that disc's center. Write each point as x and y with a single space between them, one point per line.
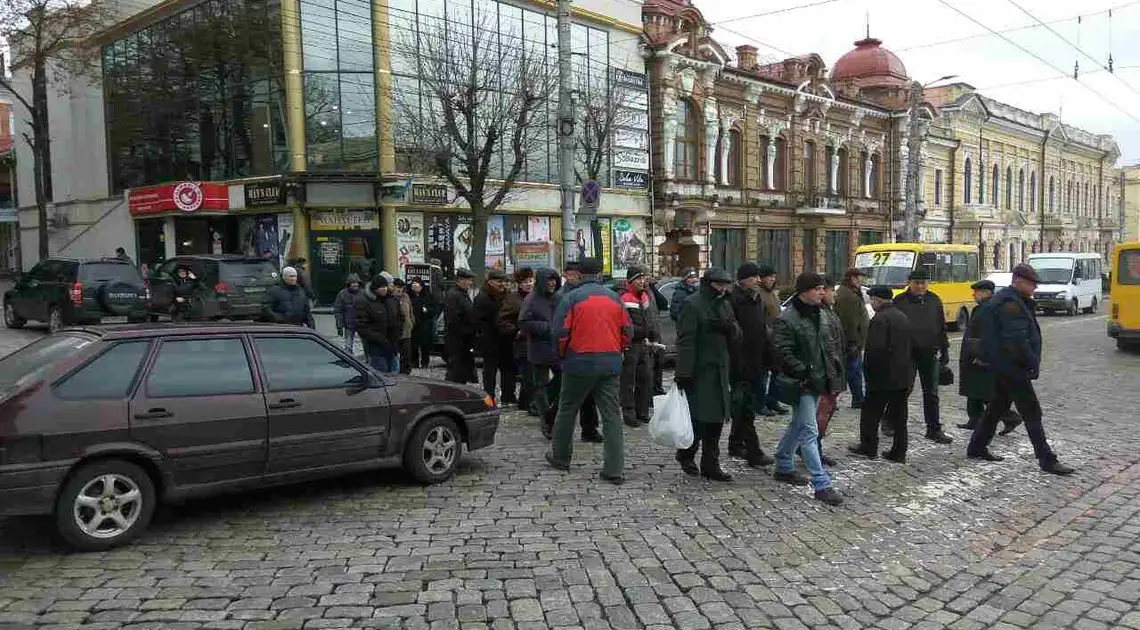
945 376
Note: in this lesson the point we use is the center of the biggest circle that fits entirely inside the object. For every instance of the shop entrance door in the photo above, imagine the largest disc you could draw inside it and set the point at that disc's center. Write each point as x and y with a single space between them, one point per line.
337 254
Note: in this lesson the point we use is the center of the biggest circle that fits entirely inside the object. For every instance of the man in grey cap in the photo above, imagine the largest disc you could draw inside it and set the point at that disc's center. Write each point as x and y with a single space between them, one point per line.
1011 340
459 338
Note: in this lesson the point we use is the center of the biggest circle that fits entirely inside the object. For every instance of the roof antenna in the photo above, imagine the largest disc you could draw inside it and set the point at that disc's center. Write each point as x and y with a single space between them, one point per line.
1110 41
867 21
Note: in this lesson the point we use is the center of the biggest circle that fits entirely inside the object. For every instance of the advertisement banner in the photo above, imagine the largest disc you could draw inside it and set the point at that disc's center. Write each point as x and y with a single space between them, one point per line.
629 239
538 229
409 238
534 254
496 245
440 246
180 197
463 242
516 233
284 239
583 245
260 236
607 248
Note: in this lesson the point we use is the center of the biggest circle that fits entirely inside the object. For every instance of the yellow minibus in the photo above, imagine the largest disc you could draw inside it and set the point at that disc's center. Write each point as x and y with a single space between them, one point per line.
1124 318
952 269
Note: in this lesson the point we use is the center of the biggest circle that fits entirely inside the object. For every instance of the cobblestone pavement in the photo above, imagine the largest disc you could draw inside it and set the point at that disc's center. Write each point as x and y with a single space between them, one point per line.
510 543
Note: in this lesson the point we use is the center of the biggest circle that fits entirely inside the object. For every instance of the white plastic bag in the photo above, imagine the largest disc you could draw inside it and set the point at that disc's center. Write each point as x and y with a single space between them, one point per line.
671 426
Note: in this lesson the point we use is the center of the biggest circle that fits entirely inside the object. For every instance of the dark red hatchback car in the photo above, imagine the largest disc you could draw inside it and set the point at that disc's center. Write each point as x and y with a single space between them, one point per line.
99 424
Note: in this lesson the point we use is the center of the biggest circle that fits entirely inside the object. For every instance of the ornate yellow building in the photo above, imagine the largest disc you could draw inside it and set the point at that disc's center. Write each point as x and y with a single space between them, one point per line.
1014 182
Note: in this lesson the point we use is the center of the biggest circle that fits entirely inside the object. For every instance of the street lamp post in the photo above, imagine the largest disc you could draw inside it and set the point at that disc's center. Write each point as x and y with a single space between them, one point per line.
915 134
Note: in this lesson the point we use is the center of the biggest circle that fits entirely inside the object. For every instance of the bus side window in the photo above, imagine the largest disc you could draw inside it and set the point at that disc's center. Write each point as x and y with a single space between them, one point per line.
961 270
944 268
928 262
972 266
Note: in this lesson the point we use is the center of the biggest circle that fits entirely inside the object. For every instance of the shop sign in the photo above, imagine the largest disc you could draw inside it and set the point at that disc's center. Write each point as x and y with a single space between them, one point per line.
628 158
430 194
180 197
270 193
632 79
533 255
330 220
631 179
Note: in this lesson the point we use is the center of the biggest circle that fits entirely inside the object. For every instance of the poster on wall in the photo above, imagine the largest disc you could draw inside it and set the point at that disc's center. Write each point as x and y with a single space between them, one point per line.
463 241
409 239
516 233
496 245
538 229
440 245
583 245
284 239
628 237
258 236
604 231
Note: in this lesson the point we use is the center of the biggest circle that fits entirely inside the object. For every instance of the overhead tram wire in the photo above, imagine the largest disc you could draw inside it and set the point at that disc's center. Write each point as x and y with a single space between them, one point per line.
1039 58
1072 45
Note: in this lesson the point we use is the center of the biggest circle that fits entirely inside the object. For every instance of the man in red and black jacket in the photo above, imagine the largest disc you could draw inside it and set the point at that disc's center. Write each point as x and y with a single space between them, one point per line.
637 365
592 329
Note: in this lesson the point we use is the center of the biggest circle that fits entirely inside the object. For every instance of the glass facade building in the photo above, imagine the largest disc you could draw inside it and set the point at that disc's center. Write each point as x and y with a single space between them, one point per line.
197 96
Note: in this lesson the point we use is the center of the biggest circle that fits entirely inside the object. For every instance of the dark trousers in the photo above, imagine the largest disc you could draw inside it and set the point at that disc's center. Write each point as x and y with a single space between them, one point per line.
499 362
658 369
461 365
548 394
636 382
526 383
742 434
603 388
707 438
975 407
890 408
927 368
406 357
1013 391
421 350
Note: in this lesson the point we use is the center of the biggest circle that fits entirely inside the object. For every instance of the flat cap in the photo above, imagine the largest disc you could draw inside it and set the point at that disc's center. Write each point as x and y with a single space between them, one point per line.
1025 271
881 291
983 285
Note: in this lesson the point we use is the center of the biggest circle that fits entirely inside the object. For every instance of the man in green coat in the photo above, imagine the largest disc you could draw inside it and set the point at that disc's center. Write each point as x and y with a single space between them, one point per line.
809 367
852 311
704 332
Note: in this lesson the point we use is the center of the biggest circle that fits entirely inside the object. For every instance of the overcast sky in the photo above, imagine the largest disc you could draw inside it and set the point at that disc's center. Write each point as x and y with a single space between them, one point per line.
914 28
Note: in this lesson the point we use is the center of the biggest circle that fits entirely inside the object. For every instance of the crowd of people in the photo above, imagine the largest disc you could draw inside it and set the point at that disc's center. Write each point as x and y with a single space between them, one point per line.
573 353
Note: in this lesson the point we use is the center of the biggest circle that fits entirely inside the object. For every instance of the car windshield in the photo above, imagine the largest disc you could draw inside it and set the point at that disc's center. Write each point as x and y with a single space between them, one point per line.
248 271
889 268
1053 270
104 272
1129 272
29 362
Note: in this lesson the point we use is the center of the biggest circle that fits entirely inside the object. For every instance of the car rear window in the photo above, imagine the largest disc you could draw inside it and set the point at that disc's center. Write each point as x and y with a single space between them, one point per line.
247 271
27 363
1129 272
100 273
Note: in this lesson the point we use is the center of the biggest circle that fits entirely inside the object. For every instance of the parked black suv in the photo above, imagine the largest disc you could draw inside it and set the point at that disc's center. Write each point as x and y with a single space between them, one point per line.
229 286
65 291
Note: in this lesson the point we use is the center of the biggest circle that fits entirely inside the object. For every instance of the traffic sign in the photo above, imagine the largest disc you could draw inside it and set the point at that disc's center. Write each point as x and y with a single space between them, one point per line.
591 194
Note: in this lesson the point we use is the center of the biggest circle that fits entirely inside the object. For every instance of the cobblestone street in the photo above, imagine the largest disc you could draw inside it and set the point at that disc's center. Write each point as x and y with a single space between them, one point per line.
510 543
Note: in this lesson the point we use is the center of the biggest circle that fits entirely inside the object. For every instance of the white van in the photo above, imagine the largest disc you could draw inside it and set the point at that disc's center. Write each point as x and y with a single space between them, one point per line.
1070 282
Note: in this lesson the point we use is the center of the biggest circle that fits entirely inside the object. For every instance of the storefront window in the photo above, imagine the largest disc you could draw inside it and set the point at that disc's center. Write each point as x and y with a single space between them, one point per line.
197 96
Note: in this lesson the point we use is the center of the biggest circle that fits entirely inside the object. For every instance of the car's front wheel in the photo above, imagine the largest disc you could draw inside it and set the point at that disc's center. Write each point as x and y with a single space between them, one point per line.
11 319
433 452
104 504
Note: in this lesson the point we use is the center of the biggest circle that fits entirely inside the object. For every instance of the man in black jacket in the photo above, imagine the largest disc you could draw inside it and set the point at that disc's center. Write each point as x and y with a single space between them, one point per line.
887 357
378 324
747 360
496 346
636 383
975 381
931 347
288 303
459 339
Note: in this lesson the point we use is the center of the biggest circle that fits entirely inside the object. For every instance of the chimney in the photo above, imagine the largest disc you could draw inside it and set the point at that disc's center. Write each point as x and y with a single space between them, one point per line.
746 57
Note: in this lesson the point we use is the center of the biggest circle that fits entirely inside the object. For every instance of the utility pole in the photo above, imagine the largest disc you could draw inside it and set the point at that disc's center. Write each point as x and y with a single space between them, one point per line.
913 161
565 129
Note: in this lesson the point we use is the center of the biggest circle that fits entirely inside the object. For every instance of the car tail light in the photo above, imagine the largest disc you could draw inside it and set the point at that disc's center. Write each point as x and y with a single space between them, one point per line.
1116 311
220 288
77 293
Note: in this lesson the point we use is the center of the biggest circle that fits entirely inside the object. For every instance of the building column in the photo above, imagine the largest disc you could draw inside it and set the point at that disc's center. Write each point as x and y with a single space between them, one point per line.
294 83
382 61
169 242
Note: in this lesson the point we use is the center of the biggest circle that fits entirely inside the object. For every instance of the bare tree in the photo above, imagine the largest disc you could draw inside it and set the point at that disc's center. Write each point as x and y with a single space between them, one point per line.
477 115
47 36
602 106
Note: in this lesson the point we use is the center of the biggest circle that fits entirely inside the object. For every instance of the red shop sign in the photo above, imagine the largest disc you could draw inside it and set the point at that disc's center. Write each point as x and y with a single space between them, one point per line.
179 197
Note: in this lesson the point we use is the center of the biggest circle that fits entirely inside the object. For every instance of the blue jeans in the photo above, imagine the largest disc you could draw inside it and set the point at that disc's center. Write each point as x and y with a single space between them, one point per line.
802 432
855 379
760 398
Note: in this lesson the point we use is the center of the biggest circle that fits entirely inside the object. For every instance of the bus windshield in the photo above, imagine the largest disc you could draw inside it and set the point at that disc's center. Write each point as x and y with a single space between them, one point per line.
889 268
1053 270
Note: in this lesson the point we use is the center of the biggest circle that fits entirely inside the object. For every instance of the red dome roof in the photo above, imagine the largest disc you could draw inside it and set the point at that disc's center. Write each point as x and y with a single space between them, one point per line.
870 64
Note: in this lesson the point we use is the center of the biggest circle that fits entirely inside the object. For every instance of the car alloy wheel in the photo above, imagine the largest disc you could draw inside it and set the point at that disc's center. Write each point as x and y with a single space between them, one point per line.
434 449
104 504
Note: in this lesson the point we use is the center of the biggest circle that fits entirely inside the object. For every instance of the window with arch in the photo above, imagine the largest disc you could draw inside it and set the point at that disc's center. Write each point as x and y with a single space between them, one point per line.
844 173
781 169
1021 190
982 183
1032 192
685 154
1052 195
938 187
996 186
875 175
734 153
1009 188
967 181
809 166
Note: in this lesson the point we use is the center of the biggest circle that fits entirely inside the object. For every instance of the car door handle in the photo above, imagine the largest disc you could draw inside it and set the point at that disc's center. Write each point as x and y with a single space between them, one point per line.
155 413
284 403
